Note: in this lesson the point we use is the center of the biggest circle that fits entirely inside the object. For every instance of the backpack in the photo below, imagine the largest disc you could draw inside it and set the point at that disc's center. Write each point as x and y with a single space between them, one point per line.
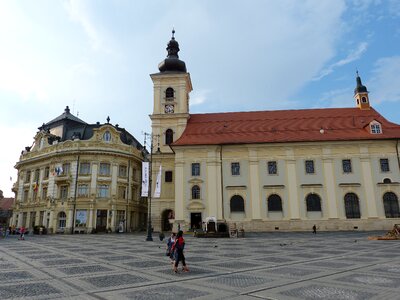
180 244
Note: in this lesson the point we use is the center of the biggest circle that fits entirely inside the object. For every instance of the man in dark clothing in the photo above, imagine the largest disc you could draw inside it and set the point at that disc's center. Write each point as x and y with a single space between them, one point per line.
314 229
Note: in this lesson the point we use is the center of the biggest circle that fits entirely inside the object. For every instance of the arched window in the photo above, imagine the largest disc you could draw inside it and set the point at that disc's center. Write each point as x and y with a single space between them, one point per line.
169 93
387 180
195 192
352 206
313 202
274 203
391 205
62 219
169 136
237 204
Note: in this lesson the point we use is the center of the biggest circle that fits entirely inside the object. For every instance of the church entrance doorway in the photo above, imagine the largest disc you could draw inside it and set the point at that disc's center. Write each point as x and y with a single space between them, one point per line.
195 220
167 215
101 221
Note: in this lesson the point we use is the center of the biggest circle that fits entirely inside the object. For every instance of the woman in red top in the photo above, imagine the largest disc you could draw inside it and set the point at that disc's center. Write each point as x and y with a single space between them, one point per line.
178 247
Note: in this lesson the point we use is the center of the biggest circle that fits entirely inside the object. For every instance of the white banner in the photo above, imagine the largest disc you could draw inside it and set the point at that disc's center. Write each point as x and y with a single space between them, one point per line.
157 191
145 179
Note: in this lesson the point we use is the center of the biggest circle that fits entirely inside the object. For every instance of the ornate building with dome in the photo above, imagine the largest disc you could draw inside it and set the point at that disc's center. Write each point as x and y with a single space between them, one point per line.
337 168
80 178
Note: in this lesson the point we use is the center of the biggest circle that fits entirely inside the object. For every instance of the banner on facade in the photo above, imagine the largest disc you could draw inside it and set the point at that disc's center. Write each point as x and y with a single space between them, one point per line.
157 191
81 218
145 179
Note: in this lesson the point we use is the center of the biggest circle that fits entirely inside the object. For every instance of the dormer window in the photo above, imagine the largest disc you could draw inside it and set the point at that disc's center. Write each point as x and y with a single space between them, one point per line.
169 94
375 128
107 136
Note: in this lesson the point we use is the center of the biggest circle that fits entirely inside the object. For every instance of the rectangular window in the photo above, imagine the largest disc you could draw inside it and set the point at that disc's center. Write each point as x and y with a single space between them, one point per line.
104 169
384 162
84 168
26 193
28 176
41 218
46 173
37 173
66 168
310 167
122 171
44 193
120 216
346 163
272 168
64 192
122 192
83 190
102 191
32 218
376 128
168 176
235 168
195 169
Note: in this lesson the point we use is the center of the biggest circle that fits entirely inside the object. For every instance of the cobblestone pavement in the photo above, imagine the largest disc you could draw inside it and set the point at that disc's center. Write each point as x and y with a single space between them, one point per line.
333 265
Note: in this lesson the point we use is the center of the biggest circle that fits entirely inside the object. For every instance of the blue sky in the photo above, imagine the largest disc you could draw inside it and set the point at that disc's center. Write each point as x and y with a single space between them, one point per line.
96 57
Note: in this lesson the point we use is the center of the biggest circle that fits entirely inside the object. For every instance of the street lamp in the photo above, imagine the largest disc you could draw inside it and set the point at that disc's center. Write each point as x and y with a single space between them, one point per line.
150 136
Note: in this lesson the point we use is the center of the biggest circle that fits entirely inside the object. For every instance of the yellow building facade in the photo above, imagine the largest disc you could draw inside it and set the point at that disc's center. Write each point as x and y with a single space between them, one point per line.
80 178
272 170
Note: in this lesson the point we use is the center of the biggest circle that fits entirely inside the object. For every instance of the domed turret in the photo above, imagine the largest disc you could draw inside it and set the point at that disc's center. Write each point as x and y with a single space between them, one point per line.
172 63
360 88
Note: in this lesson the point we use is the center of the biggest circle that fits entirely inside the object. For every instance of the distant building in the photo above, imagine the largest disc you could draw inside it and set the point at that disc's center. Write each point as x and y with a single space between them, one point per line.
272 170
80 177
5 209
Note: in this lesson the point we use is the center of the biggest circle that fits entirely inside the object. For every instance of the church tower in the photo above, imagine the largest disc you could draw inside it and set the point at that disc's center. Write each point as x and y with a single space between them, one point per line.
361 94
171 88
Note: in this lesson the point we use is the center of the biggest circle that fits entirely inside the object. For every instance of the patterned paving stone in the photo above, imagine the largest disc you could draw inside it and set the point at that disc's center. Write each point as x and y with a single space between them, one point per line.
239 280
235 265
28 290
115 280
45 256
143 264
169 293
368 279
194 259
84 269
11 276
329 264
292 272
68 261
275 259
7 266
118 257
194 271
388 268
326 292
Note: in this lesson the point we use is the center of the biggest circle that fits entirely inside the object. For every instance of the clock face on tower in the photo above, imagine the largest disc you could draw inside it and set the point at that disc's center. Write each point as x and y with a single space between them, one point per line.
169 108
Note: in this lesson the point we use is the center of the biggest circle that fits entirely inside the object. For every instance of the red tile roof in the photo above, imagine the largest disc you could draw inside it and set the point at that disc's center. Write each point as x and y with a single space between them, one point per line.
6 203
338 124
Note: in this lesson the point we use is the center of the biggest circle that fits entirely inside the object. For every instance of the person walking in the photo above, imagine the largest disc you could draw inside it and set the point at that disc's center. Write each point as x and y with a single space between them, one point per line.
22 233
178 247
170 243
314 229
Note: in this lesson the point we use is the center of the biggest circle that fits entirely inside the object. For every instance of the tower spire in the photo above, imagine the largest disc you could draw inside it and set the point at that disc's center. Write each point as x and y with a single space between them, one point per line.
172 62
361 94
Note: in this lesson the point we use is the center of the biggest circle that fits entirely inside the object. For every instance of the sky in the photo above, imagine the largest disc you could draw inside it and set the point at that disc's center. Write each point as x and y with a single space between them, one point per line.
96 57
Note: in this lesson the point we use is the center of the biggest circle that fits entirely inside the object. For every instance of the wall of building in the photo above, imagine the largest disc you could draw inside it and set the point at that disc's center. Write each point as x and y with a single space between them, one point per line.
43 207
291 183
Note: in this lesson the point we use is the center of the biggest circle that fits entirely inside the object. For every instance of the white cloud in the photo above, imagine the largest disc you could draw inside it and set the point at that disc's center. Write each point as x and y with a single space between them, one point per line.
384 84
352 56
198 97
78 12
25 134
